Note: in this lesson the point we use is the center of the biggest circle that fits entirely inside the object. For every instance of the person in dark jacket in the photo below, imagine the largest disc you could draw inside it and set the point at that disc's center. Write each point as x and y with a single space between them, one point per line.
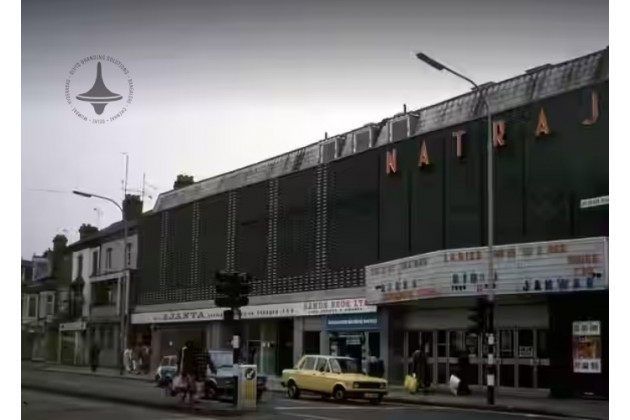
420 363
95 351
462 372
191 365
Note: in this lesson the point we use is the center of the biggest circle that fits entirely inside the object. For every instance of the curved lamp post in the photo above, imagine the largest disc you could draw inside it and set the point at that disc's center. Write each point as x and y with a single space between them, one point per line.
490 204
124 318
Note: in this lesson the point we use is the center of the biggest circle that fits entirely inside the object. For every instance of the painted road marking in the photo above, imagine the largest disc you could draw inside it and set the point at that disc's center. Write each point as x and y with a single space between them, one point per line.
310 416
343 407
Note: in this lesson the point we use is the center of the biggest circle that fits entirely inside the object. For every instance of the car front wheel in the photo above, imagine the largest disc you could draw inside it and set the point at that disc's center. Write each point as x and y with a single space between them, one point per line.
293 391
339 394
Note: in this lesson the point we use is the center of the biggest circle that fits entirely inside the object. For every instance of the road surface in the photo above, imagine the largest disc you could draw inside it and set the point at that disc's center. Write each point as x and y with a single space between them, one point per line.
54 395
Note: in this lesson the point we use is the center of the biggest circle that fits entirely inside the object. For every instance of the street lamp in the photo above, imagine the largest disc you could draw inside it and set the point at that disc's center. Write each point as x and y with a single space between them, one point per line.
491 366
125 284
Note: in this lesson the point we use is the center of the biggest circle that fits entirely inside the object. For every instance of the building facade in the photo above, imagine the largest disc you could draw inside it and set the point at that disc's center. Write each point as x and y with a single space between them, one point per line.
100 265
307 224
45 285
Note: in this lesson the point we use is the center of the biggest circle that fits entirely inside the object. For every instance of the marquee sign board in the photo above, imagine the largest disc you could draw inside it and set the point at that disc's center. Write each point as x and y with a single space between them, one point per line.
540 267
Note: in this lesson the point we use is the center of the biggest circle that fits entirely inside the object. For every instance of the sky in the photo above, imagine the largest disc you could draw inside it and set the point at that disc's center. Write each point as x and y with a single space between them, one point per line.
220 85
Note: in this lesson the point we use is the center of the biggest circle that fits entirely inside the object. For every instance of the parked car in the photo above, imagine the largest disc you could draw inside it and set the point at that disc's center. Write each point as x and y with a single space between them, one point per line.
167 370
331 376
221 382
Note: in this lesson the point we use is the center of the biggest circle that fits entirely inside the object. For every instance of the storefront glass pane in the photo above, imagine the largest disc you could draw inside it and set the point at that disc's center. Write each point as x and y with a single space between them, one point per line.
455 343
542 346
441 343
311 342
374 343
506 344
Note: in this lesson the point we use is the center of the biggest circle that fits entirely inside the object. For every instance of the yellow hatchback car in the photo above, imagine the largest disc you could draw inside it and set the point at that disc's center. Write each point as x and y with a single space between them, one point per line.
339 377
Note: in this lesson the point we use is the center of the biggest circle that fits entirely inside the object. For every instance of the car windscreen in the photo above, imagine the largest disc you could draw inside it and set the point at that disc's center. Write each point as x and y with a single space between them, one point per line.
344 366
221 360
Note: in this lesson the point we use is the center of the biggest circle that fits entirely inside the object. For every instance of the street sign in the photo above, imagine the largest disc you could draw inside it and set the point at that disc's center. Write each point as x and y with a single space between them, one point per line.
594 202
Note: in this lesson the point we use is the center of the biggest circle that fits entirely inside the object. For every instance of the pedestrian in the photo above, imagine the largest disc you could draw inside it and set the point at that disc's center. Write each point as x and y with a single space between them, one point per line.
94 355
252 356
127 359
462 372
420 368
147 359
192 365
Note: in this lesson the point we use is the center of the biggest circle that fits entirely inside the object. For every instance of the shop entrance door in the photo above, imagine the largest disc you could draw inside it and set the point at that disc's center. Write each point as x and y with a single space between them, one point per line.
424 339
523 360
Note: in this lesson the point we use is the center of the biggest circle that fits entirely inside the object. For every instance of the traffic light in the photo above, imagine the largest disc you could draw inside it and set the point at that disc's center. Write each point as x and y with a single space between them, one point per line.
224 288
479 316
232 289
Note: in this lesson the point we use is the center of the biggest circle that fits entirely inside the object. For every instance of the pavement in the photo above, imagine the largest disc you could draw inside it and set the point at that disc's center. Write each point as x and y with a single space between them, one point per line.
109 385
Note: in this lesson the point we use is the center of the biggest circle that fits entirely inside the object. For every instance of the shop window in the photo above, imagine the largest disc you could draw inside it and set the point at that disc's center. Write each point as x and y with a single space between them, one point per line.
472 344
542 346
506 344
456 343
525 344
311 342
441 343
374 343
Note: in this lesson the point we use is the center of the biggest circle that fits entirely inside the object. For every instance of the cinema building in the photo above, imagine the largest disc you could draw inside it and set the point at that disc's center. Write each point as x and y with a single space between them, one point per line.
373 241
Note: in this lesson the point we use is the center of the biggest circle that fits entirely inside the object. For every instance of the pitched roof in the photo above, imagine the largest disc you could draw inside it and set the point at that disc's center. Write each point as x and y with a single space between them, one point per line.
533 85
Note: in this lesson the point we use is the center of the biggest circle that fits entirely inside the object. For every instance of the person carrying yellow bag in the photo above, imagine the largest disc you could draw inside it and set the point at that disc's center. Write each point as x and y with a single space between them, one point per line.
411 383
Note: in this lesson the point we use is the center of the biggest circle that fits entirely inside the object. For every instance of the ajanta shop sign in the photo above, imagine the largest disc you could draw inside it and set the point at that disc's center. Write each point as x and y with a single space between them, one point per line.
279 310
539 267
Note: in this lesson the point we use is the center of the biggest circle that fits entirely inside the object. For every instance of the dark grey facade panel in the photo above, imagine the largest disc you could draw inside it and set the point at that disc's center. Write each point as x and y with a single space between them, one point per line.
512 93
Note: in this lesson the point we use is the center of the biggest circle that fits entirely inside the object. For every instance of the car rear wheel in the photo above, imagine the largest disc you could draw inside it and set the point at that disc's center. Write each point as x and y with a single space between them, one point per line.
339 394
293 391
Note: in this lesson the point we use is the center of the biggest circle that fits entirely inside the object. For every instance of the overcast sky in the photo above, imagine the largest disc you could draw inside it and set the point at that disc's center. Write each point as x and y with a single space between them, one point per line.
219 85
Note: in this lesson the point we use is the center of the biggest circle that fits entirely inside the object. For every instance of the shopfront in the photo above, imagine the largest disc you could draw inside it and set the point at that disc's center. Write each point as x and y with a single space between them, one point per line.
72 348
547 294
272 336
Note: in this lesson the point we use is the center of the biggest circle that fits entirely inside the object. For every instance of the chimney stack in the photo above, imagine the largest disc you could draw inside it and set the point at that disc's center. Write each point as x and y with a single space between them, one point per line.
183 181
86 230
132 207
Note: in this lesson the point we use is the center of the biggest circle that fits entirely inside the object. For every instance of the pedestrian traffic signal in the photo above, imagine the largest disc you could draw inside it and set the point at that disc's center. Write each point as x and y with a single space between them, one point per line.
479 316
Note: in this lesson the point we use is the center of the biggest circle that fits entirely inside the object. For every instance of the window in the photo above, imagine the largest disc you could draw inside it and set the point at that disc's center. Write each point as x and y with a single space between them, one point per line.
32 306
128 255
50 304
321 365
108 258
94 263
104 293
309 364
343 365
79 266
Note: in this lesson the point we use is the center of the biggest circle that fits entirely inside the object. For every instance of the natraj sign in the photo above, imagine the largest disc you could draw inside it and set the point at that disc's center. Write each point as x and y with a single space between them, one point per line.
539 267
